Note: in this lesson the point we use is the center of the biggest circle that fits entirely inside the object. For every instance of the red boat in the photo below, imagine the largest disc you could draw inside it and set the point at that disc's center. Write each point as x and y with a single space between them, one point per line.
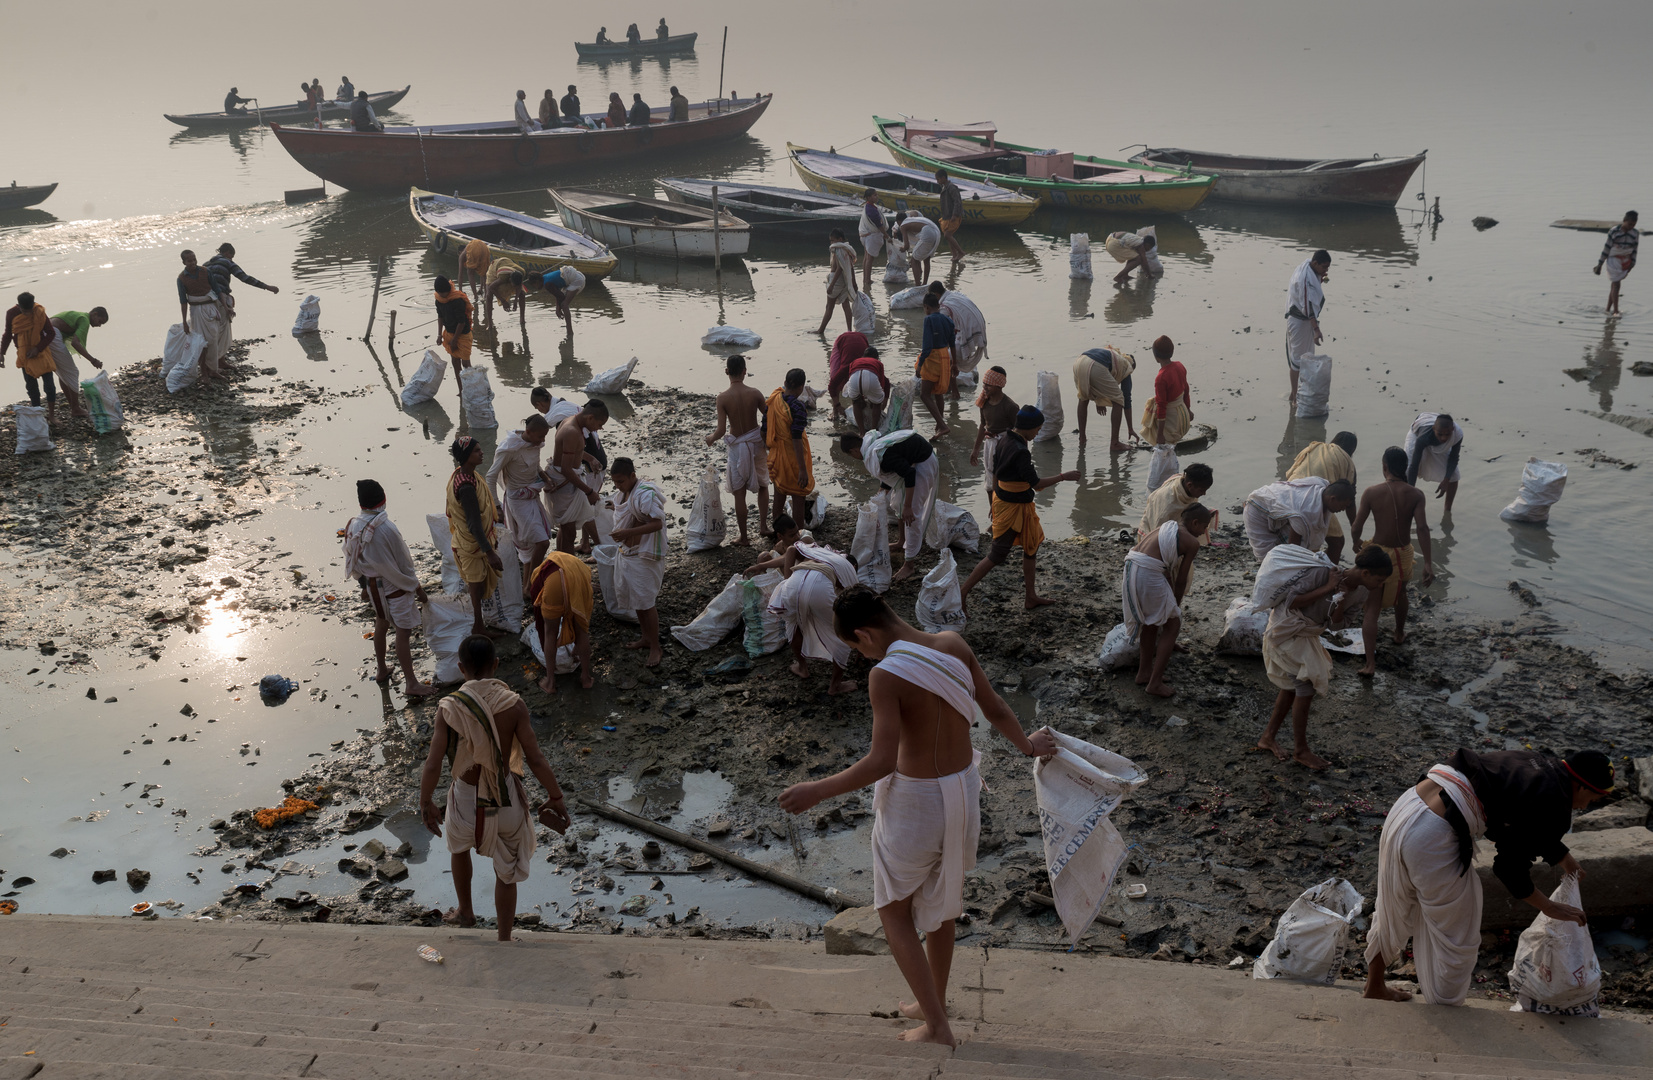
445 157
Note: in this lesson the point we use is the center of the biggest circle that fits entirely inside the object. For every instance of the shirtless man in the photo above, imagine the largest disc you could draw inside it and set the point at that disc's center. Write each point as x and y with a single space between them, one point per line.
924 692
1394 507
1154 582
568 453
739 425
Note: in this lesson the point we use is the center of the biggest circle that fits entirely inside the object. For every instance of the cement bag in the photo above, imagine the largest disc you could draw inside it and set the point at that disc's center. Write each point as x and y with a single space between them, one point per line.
1541 484
912 298
103 403
1119 649
895 263
1076 791
765 629
612 381
1050 403
1555 963
309 316
1242 628
898 406
606 554
181 358
448 620
1162 466
566 660
1312 935
707 525
1314 385
502 609
1079 257
865 315
815 509
441 538
952 526
732 337
939 607
477 394
33 432
426 381
1283 571
871 546
716 619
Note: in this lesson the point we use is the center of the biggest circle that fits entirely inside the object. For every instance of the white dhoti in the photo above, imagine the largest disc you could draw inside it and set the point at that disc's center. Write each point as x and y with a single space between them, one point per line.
872 241
1425 894
1263 532
927 473
969 330
401 610
804 601
1432 466
526 517
1145 588
637 581
1616 268
507 832
929 238
211 319
864 386
68 376
1299 340
924 836
585 508
748 461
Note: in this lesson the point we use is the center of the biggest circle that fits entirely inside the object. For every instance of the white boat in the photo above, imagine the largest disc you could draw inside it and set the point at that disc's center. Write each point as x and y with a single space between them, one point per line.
450 223
649 226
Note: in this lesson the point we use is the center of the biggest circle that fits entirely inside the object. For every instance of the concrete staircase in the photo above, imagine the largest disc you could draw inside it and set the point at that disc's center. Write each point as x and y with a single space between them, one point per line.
134 1000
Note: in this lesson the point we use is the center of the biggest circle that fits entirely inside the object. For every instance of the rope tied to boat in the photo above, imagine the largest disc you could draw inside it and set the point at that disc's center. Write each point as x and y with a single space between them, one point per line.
423 163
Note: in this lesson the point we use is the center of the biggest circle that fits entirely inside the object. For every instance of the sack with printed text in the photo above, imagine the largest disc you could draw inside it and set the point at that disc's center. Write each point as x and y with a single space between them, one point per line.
765 629
939 607
1556 970
1076 790
707 524
1312 935
103 403
309 316
871 546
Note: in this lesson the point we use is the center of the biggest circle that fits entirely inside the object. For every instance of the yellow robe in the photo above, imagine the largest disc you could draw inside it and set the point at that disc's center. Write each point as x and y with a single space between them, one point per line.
1177 421
1167 503
26 327
784 469
561 588
467 553
1328 461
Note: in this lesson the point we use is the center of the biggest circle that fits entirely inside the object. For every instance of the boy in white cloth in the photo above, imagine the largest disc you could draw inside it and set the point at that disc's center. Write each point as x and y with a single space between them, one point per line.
1294 512
1151 589
902 458
640 569
485 727
739 415
814 574
376 555
516 469
1304 301
924 692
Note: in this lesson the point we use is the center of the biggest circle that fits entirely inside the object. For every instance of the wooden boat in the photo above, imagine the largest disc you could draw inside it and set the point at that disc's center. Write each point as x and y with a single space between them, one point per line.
619 50
1076 181
282 114
16 198
649 226
537 246
769 209
1373 181
906 189
1580 224
444 157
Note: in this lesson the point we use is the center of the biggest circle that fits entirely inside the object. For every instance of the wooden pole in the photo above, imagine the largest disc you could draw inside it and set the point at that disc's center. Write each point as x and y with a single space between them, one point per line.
758 870
717 234
720 62
374 309
390 341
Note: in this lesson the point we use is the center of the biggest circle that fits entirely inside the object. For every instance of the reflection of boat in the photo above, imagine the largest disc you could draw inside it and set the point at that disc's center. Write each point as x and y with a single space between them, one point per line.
1373 181
535 245
1359 230
282 114
771 209
676 43
16 198
907 189
652 227
446 155
1080 181
1174 236
679 275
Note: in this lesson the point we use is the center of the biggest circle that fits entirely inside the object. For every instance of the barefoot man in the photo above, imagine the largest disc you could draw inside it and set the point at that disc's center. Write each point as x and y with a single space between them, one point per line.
920 237
1103 376
935 361
903 458
951 215
1304 301
814 575
996 416
873 231
376 554
563 602
739 425
1151 590
924 693
784 421
573 469
472 515
1329 461
487 808
1428 890
1433 445
1394 507
840 283
1294 512
516 481
1177 494
640 530
1015 518
1619 256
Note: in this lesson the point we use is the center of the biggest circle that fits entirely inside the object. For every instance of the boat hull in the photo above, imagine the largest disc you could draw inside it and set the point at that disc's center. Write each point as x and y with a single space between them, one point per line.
286 114
1379 182
976 211
691 242
677 43
444 241
439 161
769 219
16 198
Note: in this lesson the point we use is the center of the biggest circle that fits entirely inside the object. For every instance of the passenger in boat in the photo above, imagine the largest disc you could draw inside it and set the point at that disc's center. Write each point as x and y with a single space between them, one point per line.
453 313
1619 256
570 108
548 110
1304 301
564 284
525 123
233 99
921 237
602 36
660 32
874 231
616 111
680 107
633 35
639 116
952 215
347 90
361 114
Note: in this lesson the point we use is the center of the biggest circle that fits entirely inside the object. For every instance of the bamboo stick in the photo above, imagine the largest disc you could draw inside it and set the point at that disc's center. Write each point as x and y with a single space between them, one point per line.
373 311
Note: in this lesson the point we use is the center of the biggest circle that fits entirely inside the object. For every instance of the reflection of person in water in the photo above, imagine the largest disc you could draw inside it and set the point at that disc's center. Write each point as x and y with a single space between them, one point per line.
1602 369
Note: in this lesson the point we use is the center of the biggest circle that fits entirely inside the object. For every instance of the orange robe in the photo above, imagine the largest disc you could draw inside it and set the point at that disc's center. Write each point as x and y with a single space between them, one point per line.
784 470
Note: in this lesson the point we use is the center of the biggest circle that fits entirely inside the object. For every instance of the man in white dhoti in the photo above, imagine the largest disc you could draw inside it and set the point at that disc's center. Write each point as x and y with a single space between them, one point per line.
485 728
1304 301
204 307
640 569
902 458
376 556
1434 444
969 330
572 469
1103 377
924 693
840 283
1428 890
1151 588
740 426
814 574
1618 254
517 481
873 231
1294 512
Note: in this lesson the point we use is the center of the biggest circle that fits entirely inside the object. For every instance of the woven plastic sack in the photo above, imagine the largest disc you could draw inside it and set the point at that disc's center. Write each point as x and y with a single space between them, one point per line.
765 629
1050 403
477 393
103 403
871 545
1312 935
707 524
309 316
1541 485
612 381
426 381
1555 962
1079 256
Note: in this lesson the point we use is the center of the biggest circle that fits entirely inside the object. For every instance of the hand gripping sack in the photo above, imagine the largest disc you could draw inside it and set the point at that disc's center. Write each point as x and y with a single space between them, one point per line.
441 538
1555 963
765 629
939 607
865 314
103 403
1242 628
447 622
1050 403
1119 649
906 299
1079 256
1314 385
1076 791
725 612
1162 466
426 381
181 358
33 432
612 381
871 545
731 337
477 393
606 554
1541 484
1312 935
309 316
567 662
895 263
952 526
707 525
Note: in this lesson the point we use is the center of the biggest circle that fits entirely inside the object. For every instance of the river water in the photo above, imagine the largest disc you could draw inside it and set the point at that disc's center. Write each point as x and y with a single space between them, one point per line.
1530 113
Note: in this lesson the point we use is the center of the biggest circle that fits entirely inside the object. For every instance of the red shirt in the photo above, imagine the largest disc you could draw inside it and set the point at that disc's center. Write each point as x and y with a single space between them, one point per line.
1170 384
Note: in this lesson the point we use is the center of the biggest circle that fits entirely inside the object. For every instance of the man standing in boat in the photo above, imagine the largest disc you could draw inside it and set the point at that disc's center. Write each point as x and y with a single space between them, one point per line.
1619 256
660 32
952 215
1304 301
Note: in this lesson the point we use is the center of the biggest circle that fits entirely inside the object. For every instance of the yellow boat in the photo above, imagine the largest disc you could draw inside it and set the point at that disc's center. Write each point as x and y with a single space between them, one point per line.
907 189
537 246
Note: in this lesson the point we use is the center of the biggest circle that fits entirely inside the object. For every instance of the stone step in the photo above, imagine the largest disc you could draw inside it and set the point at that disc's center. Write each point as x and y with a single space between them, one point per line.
70 1069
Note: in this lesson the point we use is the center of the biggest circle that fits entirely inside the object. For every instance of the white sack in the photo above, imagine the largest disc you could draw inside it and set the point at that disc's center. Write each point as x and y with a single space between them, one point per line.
33 432
612 381
1079 256
181 358
908 298
765 629
707 525
426 381
502 608
865 314
1242 628
1162 466
898 406
103 403
605 554
808 397
309 316
1282 573
447 621
952 526
1050 403
567 662
1555 963
1118 648
939 606
441 538
1076 791
731 337
871 546
1541 484
1312 935
1314 385
815 510
477 393
725 612
605 520
895 262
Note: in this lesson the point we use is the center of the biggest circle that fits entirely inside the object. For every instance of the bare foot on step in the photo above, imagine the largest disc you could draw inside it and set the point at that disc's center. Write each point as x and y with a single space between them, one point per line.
1386 993
926 1034
1160 689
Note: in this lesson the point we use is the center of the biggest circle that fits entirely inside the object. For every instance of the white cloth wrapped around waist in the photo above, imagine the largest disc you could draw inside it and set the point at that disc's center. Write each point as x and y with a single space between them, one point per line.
1146 593
748 461
924 838
804 600
507 834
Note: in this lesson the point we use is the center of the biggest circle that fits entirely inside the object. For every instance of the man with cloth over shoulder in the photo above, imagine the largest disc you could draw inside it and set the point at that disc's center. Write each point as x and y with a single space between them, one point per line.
517 482
640 567
1103 376
1294 512
1151 588
1330 461
784 421
906 458
1304 301
1434 444
376 555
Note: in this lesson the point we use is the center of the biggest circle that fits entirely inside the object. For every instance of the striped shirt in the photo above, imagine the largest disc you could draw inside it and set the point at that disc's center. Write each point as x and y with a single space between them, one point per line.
1621 243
